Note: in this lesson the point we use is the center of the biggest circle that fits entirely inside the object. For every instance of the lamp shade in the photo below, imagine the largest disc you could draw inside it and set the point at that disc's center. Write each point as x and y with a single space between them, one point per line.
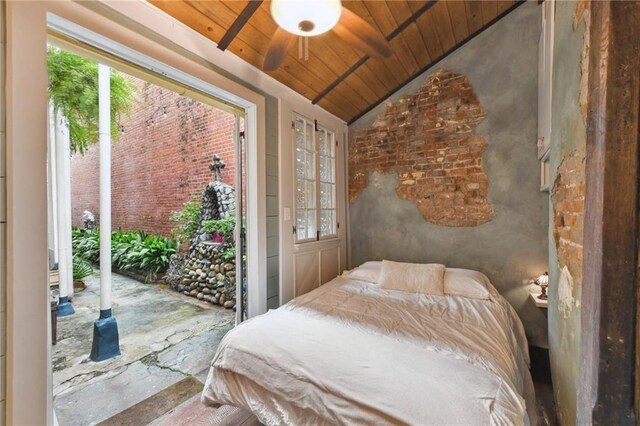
543 279
306 17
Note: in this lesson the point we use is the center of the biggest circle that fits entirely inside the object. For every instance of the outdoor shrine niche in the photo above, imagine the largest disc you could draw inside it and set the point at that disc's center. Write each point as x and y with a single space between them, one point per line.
208 270
218 199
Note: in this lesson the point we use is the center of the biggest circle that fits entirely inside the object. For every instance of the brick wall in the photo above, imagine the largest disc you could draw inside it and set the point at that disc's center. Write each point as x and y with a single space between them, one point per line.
160 161
428 140
567 196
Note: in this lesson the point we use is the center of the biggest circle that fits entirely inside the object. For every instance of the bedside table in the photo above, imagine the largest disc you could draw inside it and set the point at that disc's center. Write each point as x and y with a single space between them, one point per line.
534 292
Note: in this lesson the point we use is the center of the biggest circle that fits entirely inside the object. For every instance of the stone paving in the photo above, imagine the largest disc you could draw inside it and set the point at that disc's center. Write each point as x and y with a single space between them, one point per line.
164 337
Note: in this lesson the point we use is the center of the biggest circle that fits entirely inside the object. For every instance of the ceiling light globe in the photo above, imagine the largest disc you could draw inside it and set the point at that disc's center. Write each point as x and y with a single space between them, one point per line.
306 17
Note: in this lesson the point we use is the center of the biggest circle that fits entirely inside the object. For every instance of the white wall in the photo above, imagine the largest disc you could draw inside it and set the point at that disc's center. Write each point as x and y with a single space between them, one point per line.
141 27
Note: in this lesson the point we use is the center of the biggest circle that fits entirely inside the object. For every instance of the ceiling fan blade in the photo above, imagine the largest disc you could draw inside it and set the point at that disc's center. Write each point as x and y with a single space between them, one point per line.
361 35
278 47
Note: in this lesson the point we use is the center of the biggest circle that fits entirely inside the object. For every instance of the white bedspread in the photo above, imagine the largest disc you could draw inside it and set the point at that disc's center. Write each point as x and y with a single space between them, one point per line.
353 353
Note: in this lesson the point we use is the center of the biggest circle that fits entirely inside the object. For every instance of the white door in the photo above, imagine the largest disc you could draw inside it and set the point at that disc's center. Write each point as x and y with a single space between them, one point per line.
313 237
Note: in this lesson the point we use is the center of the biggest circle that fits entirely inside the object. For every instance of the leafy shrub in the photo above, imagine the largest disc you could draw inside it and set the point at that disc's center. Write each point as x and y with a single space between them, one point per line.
81 268
189 218
86 244
224 226
130 251
230 254
150 253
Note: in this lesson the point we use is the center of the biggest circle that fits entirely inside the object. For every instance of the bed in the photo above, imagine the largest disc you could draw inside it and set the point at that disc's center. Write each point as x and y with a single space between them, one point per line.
354 352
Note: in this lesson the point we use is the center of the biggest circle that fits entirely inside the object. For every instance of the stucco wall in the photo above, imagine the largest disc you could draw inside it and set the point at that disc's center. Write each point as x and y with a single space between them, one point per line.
568 140
501 65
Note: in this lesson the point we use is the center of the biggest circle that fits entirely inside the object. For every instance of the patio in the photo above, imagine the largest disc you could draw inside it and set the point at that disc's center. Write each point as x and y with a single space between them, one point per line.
165 338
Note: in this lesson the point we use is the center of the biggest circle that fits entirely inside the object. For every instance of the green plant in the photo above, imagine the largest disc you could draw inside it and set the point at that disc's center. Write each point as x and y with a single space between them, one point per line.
189 218
229 254
224 226
86 244
81 268
73 90
148 253
130 251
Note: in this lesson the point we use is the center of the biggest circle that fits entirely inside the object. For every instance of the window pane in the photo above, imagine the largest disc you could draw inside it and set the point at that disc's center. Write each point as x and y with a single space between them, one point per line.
311 166
327 223
300 163
324 173
300 194
301 221
311 224
330 170
326 196
322 142
311 194
310 133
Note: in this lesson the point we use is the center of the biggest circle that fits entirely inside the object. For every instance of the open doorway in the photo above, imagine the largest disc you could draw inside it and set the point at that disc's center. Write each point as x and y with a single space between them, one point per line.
178 245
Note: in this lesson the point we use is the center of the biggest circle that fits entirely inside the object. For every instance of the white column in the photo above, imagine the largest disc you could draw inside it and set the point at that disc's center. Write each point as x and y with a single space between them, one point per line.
104 91
63 205
52 190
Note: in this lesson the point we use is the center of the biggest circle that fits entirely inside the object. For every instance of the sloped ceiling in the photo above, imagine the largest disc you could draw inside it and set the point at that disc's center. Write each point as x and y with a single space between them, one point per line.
337 77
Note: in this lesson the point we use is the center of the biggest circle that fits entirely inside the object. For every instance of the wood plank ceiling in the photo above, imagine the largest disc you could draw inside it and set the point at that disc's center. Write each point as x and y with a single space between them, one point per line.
341 79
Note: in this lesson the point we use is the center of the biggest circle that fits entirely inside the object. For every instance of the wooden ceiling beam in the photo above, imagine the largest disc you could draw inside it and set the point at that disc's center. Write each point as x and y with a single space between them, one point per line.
364 59
438 59
239 23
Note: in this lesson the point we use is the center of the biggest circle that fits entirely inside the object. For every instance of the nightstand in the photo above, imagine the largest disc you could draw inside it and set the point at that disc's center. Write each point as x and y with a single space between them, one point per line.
534 292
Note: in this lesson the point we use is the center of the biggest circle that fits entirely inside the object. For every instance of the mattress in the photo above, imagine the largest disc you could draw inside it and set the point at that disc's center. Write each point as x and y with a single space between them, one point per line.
351 352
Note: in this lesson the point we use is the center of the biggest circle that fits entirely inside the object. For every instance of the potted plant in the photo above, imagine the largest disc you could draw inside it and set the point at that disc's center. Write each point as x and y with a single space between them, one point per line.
81 270
221 231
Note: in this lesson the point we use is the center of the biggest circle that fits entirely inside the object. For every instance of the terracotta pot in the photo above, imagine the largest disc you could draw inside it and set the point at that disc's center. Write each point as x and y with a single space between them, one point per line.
79 285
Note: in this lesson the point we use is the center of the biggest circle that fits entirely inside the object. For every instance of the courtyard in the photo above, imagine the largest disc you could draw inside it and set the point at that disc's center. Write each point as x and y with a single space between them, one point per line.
167 342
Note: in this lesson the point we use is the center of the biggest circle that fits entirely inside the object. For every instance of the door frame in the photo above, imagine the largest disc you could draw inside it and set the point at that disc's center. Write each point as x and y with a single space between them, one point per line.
607 387
286 191
28 359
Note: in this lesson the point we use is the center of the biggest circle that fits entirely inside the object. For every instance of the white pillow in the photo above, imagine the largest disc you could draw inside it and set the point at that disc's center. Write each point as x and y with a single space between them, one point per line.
466 283
413 277
368 271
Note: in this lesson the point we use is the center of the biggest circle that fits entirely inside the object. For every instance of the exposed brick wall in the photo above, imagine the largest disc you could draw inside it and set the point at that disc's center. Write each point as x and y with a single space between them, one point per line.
567 198
428 140
160 161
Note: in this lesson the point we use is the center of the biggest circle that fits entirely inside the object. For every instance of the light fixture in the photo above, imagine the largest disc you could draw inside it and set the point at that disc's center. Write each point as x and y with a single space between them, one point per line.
543 282
306 17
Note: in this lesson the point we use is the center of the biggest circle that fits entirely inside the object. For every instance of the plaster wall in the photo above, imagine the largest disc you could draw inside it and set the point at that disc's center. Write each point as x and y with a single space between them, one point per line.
501 64
568 138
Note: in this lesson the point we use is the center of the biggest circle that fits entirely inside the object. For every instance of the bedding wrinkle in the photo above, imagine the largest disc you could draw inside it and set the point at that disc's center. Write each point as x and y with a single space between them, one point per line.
351 352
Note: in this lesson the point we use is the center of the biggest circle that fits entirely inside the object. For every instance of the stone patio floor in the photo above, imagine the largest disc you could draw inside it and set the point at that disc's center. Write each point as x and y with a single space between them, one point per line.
164 338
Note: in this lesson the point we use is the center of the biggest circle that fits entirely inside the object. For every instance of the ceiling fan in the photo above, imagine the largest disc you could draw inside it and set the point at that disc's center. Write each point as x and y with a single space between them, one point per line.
308 18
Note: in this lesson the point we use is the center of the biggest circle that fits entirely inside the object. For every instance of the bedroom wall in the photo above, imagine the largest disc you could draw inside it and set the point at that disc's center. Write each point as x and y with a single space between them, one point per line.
511 247
567 174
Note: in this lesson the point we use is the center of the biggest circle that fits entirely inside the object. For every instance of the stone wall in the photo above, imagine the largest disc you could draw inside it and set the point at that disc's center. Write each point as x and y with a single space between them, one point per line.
160 161
508 240
428 141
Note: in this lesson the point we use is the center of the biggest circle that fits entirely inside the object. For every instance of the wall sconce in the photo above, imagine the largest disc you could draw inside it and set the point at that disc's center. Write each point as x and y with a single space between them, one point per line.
543 282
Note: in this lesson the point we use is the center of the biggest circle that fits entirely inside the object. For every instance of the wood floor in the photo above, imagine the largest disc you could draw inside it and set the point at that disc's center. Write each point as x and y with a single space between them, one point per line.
192 412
